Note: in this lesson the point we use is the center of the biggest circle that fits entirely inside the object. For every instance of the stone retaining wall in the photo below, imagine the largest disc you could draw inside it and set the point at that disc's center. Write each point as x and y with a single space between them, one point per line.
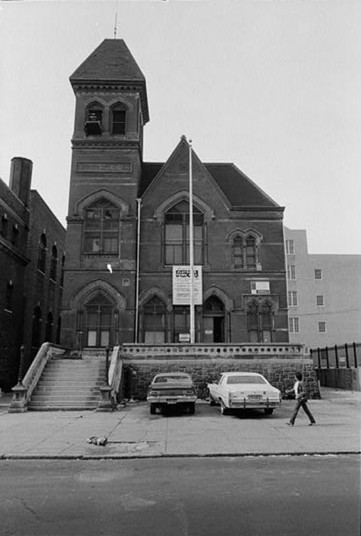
140 367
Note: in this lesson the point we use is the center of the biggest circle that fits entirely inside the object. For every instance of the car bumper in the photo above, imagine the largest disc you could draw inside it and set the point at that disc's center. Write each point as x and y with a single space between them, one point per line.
172 400
252 404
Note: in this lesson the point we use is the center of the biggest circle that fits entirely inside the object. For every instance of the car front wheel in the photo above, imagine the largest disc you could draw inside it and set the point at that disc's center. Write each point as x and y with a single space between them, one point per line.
192 408
153 409
268 411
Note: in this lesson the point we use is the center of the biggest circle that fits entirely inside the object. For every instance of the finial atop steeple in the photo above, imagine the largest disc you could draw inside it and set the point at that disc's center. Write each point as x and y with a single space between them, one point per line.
116 20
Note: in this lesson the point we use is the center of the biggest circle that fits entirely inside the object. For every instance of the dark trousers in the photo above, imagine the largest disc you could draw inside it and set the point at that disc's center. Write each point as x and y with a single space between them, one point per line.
301 404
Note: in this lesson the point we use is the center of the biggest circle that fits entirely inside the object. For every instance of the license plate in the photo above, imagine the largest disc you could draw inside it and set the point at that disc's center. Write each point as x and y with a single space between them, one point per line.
171 401
254 397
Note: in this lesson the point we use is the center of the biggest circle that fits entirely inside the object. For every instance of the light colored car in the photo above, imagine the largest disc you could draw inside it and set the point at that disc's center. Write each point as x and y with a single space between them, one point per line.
172 389
244 390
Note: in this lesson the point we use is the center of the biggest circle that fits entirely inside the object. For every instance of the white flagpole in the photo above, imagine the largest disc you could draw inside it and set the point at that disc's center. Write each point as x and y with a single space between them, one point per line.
191 251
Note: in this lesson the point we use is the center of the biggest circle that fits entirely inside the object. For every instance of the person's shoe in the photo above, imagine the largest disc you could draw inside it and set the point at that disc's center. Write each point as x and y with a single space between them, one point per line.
312 424
289 423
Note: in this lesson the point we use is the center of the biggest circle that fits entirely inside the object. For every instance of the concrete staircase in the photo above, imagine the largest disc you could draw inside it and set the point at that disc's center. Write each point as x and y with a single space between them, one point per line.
69 384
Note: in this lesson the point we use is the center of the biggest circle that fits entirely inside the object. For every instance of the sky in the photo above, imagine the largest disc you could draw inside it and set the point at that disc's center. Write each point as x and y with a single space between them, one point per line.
272 86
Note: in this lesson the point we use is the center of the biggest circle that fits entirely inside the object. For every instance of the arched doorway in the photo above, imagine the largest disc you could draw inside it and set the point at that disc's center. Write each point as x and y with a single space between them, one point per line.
98 321
213 320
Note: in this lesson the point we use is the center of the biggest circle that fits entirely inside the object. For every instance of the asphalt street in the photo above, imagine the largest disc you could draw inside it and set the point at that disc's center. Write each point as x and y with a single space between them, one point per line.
226 496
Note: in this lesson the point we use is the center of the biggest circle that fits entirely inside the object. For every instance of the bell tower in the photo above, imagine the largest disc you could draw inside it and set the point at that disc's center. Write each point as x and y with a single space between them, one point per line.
107 147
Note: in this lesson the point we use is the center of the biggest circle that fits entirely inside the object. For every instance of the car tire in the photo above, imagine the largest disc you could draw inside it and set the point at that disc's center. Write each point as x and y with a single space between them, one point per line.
268 411
153 409
212 402
192 408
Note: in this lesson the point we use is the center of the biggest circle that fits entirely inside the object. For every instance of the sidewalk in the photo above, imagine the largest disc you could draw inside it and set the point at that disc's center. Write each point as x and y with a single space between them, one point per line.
132 432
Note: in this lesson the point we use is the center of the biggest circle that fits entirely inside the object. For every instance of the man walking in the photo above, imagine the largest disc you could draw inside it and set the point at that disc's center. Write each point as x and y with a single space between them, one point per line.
301 400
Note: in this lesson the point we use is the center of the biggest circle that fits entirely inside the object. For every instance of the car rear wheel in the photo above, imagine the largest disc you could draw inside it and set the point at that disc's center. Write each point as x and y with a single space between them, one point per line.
153 409
268 411
212 402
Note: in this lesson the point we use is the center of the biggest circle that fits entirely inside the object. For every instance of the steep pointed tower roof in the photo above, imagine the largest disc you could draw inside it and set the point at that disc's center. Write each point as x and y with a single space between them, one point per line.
112 64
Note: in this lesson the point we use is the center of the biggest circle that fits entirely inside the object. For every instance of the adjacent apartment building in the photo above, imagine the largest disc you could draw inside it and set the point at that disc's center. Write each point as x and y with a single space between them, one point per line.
324 294
32 255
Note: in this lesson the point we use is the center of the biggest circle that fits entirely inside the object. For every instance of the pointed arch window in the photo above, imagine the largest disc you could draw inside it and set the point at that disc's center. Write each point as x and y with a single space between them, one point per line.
54 262
154 318
42 253
176 242
93 119
101 228
118 119
245 252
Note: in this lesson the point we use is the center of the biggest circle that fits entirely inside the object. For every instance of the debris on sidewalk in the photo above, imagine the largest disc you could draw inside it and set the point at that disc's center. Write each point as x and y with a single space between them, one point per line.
99 441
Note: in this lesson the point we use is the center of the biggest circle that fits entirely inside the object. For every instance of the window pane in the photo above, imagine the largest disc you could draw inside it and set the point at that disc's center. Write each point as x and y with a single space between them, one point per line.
173 254
110 244
173 232
104 338
92 338
92 244
92 219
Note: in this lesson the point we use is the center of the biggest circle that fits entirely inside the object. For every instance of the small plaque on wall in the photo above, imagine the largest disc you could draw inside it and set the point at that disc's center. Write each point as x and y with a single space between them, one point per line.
92 167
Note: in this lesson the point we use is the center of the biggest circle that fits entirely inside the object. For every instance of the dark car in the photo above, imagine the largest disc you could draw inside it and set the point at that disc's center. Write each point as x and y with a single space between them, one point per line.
171 389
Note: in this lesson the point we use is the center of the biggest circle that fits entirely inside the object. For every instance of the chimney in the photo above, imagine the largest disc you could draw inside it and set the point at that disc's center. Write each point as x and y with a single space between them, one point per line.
20 178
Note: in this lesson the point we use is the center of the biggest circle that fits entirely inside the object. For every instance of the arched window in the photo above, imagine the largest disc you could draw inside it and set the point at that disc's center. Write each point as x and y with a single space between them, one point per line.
42 253
101 228
118 119
154 315
36 332
4 225
62 271
53 262
237 252
9 299
250 252
245 252
93 119
176 243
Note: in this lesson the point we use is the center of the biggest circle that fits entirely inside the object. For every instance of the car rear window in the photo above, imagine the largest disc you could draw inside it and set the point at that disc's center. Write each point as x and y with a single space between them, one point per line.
172 379
245 379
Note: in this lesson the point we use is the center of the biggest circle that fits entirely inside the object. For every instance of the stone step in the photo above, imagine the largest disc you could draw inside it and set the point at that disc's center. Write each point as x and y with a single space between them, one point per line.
69 385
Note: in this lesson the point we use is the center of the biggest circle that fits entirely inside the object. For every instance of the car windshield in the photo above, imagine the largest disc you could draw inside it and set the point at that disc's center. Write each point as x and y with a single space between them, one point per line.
246 379
172 379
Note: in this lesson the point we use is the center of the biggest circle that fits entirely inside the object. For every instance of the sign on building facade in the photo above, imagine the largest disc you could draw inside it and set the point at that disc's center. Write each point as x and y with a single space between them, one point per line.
182 287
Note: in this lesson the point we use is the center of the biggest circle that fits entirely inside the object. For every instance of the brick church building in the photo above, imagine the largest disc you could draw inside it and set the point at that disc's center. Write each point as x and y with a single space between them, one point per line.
128 229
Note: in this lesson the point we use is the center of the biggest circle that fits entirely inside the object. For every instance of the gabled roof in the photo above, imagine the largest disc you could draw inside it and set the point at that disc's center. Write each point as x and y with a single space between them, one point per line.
111 63
240 191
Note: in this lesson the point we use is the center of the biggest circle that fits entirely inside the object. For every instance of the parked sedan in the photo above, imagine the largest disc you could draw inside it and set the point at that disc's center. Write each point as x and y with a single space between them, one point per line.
172 389
244 390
